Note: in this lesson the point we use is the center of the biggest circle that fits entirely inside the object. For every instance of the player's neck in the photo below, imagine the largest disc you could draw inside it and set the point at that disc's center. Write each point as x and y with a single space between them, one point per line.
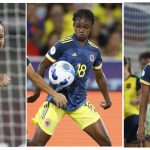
126 75
82 43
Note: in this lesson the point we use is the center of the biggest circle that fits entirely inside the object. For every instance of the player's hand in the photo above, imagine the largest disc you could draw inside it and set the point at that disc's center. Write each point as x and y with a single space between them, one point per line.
141 133
60 100
33 98
4 80
105 105
134 102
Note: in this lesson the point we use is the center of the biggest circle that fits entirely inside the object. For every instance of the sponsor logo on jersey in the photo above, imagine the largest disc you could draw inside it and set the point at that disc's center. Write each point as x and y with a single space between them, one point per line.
128 86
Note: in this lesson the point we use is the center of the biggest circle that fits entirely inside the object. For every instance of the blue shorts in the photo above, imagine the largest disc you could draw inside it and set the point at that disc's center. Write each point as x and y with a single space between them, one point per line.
130 128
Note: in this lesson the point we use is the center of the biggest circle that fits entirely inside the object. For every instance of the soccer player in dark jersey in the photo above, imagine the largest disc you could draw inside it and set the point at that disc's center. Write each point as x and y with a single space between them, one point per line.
59 98
4 79
143 133
83 55
144 59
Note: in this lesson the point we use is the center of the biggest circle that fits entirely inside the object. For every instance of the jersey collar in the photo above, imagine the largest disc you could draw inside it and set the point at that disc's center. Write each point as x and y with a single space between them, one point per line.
77 41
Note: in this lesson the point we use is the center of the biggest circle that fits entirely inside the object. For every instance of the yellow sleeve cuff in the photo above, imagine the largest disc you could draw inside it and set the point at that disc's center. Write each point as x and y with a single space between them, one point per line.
144 82
97 67
50 58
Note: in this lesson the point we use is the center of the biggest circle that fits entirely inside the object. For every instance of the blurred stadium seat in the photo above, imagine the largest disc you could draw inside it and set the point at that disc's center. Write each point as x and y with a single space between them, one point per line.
48 20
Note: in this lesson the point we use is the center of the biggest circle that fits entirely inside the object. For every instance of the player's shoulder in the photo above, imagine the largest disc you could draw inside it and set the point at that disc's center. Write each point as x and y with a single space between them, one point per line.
93 46
148 66
63 43
134 76
145 78
146 69
66 40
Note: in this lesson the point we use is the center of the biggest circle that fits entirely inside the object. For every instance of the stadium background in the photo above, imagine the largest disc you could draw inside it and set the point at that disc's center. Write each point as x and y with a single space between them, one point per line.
136 35
136 32
46 24
12 62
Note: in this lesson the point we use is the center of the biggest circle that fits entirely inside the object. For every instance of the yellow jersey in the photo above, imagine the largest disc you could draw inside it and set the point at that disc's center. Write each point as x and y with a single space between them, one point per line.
131 87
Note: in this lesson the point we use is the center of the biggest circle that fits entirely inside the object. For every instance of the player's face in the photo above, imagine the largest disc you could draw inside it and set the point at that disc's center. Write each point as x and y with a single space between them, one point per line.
82 28
143 63
1 36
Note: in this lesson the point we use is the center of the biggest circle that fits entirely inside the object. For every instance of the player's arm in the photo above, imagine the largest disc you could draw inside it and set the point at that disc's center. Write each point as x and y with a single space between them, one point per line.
135 101
4 79
145 81
143 109
52 55
102 84
42 68
39 82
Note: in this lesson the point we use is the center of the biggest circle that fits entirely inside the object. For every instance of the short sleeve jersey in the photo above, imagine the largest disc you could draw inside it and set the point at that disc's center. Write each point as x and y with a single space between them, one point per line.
82 59
131 87
145 78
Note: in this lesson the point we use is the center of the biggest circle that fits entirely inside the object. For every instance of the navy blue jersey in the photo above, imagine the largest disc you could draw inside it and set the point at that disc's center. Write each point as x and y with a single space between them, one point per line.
82 59
28 61
145 79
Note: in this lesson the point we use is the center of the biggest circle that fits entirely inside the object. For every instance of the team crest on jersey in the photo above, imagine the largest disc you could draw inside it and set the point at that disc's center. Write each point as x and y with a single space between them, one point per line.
91 58
53 50
128 85
47 123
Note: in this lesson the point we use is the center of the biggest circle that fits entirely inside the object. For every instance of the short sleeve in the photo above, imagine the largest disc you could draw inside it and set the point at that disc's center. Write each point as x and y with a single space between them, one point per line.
55 52
28 61
98 61
145 78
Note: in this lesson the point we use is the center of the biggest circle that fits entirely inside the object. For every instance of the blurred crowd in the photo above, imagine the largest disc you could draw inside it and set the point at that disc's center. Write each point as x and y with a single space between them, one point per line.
47 23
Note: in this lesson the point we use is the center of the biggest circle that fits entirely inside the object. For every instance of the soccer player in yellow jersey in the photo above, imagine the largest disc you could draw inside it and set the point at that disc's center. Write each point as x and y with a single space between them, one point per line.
131 101
4 79
143 133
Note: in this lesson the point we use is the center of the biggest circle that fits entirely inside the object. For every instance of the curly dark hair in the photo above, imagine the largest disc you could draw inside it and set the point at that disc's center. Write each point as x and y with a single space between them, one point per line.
84 13
144 55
